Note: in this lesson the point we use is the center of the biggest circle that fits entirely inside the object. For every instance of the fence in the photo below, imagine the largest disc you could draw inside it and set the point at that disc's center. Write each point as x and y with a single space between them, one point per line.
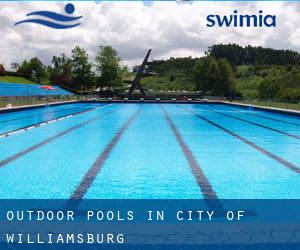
287 104
30 95
14 94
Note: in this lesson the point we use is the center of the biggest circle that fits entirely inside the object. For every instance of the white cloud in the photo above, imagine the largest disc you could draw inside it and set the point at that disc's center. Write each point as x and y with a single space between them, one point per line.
170 29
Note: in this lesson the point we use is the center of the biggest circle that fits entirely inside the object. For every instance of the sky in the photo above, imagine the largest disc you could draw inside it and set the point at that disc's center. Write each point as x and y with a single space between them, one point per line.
171 29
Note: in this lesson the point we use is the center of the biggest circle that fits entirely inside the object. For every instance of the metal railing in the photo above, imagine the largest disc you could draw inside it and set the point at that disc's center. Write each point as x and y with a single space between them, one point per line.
274 103
15 101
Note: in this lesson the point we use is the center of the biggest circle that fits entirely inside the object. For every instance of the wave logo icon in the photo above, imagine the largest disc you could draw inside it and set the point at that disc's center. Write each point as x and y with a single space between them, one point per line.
54 20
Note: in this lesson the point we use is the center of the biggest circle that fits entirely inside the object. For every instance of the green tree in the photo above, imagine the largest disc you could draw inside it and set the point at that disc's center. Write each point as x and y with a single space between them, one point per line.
33 70
25 69
61 71
238 55
108 65
213 76
270 88
83 76
290 94
224 83
205 74
38 70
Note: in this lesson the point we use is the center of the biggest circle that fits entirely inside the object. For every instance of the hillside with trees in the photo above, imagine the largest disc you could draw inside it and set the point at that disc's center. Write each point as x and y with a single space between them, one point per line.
232 71
76 72
238 55
228 70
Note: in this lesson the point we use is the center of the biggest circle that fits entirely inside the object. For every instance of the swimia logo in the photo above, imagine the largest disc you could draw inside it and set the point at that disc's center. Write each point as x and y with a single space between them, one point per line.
239 20
54 20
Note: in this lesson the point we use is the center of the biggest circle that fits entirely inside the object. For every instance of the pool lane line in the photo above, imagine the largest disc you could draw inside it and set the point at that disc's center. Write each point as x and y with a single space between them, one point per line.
201 179
280 160
29 127
256 124
38 114
23 129
273 119
266 117
50 139
95 169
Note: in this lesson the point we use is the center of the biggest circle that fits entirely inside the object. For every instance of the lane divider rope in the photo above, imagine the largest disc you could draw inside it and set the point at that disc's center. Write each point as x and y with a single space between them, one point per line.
50 139
17 131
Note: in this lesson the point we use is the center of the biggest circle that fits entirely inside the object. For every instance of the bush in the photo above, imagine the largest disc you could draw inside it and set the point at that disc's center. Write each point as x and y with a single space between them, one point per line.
270 88
290 95
2 70
213 76
172 78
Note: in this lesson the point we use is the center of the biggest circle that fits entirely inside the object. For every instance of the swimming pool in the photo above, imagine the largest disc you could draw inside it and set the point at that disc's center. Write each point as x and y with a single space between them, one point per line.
173 151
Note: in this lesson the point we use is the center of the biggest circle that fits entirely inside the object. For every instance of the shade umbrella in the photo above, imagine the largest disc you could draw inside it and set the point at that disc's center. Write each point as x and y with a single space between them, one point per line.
48 88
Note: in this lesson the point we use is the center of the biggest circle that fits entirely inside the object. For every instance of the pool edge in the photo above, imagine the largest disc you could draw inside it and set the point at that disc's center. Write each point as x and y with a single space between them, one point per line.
34 106
242 105
263 108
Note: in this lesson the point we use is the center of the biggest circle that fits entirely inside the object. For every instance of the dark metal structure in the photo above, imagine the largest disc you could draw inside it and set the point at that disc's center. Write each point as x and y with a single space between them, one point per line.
136 82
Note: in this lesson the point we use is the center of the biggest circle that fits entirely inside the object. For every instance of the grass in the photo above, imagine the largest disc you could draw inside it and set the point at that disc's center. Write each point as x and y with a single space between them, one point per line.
273 104
15 79
165 83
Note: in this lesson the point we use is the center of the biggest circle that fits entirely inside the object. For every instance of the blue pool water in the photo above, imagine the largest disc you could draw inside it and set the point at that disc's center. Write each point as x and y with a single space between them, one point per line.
17 120
149 151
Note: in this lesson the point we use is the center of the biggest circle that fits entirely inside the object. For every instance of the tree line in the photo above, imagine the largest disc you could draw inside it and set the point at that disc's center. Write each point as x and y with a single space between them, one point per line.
238 55
209 75
76 71
271 73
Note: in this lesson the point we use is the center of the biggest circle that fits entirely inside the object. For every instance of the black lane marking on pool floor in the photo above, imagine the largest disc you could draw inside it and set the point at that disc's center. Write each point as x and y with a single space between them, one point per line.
203 182
94 170
266 117
256 124
273 119
36 125
50 139
38 114
283 162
